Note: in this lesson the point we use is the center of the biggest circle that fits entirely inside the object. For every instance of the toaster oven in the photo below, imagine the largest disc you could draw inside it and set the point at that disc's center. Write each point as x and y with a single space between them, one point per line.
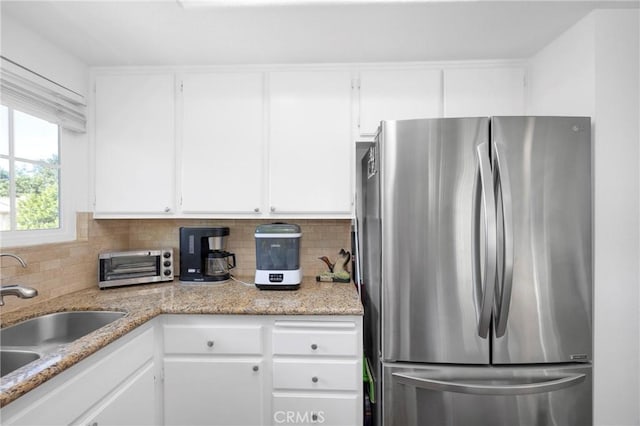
135 267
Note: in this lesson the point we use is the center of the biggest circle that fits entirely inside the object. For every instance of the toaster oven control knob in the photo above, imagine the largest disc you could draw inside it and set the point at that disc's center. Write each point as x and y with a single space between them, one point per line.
167 273
166 255
167 263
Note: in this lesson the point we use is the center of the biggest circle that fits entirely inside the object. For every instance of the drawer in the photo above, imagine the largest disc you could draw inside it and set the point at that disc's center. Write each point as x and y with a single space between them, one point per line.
227 340
345 375
333 339
316 409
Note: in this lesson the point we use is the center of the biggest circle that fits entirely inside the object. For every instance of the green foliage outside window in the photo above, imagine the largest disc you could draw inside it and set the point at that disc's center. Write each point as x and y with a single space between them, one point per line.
36 196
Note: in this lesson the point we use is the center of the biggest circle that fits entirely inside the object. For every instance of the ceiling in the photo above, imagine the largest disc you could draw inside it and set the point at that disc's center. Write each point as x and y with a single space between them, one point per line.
162 32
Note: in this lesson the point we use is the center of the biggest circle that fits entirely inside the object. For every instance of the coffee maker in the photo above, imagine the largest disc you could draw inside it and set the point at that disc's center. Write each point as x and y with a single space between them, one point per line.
203 257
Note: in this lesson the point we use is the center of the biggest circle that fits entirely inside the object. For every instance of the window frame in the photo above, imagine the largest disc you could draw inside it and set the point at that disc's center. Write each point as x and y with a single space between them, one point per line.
66 230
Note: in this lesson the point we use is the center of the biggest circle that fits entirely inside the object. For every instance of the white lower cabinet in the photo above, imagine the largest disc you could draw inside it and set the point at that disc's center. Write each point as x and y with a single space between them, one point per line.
317 372
212 392
262 370
213 371
131 404
316 409
210 370
115 386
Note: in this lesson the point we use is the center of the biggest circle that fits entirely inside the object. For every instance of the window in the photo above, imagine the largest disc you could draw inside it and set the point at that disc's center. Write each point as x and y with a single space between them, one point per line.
29 172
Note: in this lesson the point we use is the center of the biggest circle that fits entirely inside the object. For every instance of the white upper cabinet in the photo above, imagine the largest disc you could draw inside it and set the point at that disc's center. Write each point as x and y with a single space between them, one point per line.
472 92
310 147
222 149
134 144
397 94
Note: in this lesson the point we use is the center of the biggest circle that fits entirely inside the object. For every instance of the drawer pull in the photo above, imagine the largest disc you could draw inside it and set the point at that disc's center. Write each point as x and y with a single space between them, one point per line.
314 379
256 368
210 343
314 346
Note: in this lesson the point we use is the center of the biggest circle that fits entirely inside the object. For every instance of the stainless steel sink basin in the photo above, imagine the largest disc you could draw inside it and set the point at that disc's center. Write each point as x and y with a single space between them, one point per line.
56 329
12 360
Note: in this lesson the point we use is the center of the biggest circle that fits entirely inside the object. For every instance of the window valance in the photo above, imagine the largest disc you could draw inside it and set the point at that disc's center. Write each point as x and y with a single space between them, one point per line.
25 90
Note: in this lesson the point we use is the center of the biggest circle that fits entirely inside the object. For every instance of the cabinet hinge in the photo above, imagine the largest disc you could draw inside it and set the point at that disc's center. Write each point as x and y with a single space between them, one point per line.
182 86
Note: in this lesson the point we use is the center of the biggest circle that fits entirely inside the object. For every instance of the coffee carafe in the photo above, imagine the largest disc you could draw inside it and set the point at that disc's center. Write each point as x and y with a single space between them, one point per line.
203 255
218 264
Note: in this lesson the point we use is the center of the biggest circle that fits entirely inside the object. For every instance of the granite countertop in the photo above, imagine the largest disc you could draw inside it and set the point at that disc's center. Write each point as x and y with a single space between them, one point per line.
144 302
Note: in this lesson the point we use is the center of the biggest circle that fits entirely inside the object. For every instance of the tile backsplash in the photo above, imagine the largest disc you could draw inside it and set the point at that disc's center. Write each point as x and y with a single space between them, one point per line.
61 268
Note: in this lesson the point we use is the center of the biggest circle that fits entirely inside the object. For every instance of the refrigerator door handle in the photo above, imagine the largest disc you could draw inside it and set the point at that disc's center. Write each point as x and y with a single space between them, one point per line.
503 293
484 194
477 387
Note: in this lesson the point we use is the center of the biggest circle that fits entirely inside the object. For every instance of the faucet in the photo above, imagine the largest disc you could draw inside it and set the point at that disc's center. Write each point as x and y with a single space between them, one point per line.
16 290
15 256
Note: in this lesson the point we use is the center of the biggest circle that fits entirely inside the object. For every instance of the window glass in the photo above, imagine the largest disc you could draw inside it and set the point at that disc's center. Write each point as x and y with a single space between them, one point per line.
36 196
35 139
5 201
4 130
29 173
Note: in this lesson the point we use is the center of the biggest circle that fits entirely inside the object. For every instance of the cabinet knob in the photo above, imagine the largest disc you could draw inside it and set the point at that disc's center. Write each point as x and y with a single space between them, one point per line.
257 210
314 346
167 209
314 379
256 368
273 209
210 343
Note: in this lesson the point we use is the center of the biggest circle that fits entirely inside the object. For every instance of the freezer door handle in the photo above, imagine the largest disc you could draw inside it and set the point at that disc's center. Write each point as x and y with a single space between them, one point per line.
503 291
484 195
492 386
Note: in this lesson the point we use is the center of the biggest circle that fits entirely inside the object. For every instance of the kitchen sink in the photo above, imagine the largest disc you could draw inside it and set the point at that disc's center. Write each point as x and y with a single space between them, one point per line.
24 342
14 359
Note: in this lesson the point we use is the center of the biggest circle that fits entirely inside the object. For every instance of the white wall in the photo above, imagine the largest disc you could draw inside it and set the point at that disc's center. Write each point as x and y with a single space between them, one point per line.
22 45
561 77
593 69
617 216
25 47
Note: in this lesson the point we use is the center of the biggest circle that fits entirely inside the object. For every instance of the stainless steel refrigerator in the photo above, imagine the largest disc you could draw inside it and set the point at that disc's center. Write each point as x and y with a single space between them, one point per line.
476 242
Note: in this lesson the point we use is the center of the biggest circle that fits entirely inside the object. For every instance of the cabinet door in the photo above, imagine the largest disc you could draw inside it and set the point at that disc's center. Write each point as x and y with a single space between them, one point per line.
310 142
398 95
481 92
132 404
134 144
222 392
316 409
222 143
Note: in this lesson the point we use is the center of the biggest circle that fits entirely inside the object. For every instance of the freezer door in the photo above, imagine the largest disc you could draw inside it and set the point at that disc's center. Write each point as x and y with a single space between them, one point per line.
547 267
430 306
487 396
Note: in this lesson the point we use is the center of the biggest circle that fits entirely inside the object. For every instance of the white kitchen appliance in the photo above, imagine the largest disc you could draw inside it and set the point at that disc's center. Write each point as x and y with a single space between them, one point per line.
278 256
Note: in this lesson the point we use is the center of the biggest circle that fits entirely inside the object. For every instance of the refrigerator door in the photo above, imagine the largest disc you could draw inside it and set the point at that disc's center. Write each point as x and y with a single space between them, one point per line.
430 174
369 221
547 265
487 396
